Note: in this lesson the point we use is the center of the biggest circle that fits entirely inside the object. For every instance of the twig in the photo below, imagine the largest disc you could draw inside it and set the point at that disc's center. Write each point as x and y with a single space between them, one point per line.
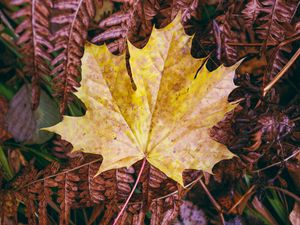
241 199
131 193
282 72
254 44
242 44
214 202
277 163
295 119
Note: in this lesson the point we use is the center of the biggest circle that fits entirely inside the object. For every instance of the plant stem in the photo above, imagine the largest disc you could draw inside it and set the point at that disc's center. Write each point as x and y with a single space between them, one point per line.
278 163
249 192
213 201
282 72
131 193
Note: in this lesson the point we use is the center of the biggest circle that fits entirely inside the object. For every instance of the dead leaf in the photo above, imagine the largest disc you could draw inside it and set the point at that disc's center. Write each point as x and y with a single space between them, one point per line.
20 117
166 119
24 123
260 207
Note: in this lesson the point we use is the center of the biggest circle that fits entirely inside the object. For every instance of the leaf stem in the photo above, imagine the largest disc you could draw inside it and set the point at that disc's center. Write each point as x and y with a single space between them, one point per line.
131 193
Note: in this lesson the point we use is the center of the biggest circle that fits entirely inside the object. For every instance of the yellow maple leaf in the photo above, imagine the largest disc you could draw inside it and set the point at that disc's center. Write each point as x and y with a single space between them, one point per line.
165 120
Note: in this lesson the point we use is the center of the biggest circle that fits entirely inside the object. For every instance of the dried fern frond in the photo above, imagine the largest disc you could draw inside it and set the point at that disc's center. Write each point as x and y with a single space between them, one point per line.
164 211
72 19
25 195
273 24
61 148
67 184
76 186
4 134
274 20
134 22
8 207
43 193
91 188
34 40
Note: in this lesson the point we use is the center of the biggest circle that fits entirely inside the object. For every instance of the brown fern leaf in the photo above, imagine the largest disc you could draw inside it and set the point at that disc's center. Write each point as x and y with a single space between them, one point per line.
278 58
124 180
4 134
204 40
216 38
251 11
31 208
44 192
26 190
8 207
27 175
72 19
91 188
155 184
28 195
191 14
277 26
117 184
67 194
61 148
116 30
109 213
275 20
164 211
133 215
67 183
138 213
34 40
77 186
134 22
117 187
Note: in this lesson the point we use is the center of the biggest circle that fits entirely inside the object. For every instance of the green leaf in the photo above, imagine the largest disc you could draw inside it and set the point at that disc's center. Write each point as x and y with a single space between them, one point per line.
8 174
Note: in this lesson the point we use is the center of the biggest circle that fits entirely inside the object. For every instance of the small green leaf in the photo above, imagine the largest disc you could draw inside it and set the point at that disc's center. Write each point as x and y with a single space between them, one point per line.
8 174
